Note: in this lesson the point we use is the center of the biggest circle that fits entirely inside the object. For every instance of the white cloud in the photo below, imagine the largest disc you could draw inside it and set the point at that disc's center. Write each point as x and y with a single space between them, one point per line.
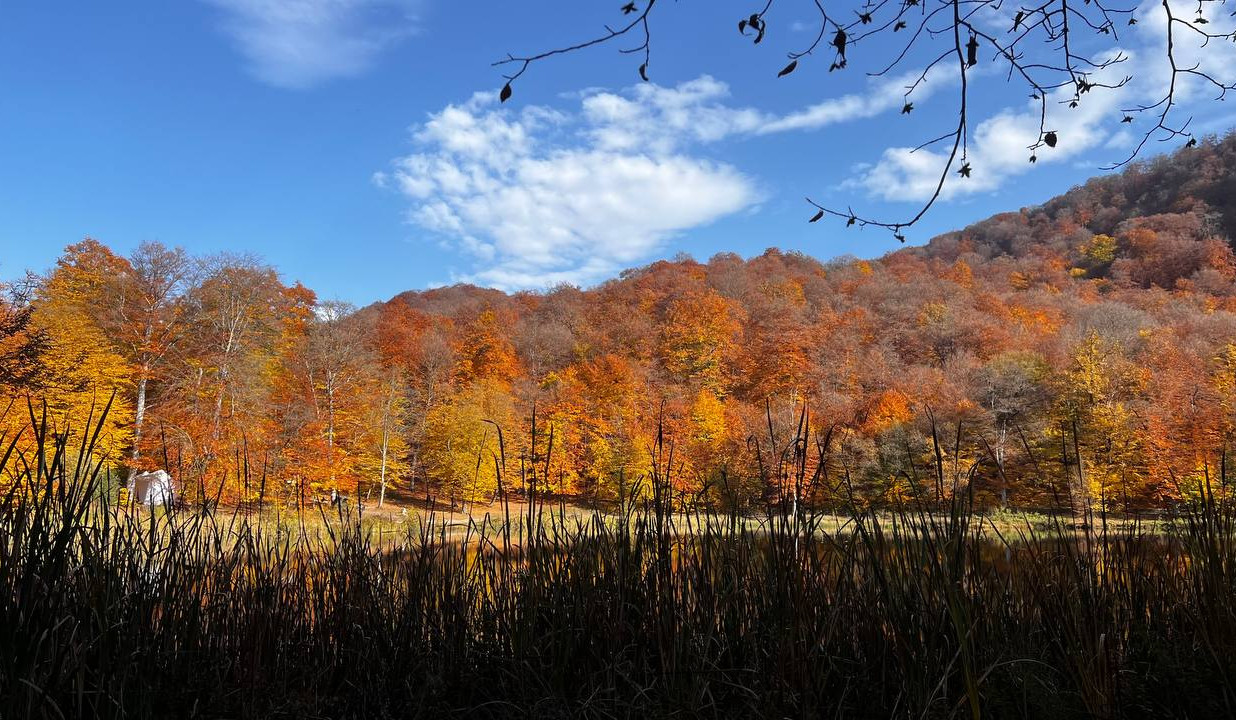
537 197
660 119
301 43
998 148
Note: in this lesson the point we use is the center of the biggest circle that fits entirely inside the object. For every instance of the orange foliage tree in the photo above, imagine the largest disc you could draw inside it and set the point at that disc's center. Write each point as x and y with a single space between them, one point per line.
1080 349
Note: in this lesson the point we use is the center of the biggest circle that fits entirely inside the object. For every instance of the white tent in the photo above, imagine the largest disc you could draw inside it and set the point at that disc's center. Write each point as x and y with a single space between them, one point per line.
151 488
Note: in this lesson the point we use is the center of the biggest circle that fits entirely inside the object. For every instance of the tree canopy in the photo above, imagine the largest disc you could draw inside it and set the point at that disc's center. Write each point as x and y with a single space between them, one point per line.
1084 349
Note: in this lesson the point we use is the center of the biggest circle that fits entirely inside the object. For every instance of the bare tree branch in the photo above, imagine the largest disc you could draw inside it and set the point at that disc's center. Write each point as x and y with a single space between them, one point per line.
1042 52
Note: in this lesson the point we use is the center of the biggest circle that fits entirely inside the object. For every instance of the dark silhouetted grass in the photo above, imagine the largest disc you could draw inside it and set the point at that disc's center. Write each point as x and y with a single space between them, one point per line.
639 611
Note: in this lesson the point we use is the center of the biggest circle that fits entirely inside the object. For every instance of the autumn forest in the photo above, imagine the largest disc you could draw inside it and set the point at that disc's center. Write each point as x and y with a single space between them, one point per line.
1082 351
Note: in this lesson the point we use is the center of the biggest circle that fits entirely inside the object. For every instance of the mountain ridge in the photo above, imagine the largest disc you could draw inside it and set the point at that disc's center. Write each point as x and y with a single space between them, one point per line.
1190 192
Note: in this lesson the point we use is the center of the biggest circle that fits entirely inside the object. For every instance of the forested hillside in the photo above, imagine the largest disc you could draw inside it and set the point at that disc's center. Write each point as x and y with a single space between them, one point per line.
1083 350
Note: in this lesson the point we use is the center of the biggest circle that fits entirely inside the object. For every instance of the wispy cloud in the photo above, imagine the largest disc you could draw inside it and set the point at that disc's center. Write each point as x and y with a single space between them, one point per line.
301 43
696 111
998 150
883 96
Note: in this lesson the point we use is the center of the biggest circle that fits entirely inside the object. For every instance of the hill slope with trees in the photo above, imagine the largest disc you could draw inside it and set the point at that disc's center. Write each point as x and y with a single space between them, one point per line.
1080 351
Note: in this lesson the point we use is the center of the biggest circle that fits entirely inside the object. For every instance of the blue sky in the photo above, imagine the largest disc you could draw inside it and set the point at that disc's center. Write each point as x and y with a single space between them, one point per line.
358 145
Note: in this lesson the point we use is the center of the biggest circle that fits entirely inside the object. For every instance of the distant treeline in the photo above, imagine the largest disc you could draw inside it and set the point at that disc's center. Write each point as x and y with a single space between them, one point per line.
1082 351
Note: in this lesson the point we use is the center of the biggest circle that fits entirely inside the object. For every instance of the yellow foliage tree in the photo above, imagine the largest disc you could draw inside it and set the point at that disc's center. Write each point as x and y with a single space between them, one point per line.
1101 250
698 337
1094 409
1224 380
461 451
709 445
82 369
600 405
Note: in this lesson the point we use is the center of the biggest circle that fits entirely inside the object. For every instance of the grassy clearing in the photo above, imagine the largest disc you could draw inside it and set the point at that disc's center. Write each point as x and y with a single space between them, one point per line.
641 611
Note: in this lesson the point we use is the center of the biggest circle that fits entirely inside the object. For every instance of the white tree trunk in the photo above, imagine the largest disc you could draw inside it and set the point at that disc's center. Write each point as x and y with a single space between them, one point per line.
382 475
139 416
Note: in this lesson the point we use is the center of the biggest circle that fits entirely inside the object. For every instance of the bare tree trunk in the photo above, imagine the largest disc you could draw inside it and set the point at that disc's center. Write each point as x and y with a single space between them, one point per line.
330 435
1082 502
1001 437
385 444
216 422
139 416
